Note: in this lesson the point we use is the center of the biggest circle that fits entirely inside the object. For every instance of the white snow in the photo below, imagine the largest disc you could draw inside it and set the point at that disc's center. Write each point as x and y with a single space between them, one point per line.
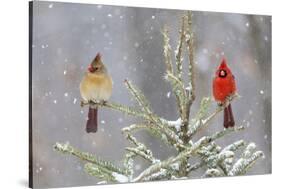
102 182
109 15
175 166
51 5
265 38
74 100
102 122
251 146
247 24
120 178
99 6
168 94
176 124
261 92
66 94
55 101
125 57
153 17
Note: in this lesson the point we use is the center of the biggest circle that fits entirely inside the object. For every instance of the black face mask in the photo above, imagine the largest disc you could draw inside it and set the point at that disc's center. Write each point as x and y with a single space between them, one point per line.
222 73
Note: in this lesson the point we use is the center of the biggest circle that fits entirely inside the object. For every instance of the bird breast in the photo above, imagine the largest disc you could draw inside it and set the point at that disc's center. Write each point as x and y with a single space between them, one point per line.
96 87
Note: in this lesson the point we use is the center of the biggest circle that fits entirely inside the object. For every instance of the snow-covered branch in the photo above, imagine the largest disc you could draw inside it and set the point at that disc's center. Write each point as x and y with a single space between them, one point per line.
215 160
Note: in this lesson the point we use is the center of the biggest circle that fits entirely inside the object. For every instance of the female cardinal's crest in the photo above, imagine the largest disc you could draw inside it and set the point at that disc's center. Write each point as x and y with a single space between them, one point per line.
98 57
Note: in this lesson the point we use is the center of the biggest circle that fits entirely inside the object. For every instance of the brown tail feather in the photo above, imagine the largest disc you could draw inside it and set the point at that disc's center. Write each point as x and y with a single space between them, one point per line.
231 118
225 118
92 123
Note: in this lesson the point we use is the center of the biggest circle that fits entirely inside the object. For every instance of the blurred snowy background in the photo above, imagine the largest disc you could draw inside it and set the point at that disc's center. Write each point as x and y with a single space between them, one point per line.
67 36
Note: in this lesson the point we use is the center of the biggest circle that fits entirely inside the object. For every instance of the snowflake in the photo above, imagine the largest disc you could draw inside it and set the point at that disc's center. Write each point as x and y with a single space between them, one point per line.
74 101
168 94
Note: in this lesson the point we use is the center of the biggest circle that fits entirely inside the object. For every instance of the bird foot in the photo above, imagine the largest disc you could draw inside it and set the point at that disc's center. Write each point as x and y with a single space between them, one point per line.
103 102
82 103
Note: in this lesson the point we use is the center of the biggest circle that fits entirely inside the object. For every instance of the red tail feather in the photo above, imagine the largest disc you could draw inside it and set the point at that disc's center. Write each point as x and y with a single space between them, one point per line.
231 118
225 118
228 120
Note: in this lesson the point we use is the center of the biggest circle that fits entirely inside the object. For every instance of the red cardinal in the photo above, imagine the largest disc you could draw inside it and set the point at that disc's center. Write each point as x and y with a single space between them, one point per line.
224 86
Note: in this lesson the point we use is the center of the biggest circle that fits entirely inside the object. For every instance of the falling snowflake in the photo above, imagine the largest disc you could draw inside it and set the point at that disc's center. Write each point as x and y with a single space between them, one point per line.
153 17
64 72
55 101
51 5
109 15
247 24
74 101
261 92
102 122
168 94
66 94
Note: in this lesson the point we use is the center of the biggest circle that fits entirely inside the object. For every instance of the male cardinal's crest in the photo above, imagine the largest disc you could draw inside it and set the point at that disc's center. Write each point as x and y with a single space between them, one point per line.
223 87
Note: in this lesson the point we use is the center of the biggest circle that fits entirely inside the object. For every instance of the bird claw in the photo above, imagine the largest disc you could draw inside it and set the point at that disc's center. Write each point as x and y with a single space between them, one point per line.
82 104
103 102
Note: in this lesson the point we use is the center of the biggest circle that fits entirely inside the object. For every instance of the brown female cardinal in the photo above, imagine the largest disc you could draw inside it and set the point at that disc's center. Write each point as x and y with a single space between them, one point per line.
96 85
223 87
